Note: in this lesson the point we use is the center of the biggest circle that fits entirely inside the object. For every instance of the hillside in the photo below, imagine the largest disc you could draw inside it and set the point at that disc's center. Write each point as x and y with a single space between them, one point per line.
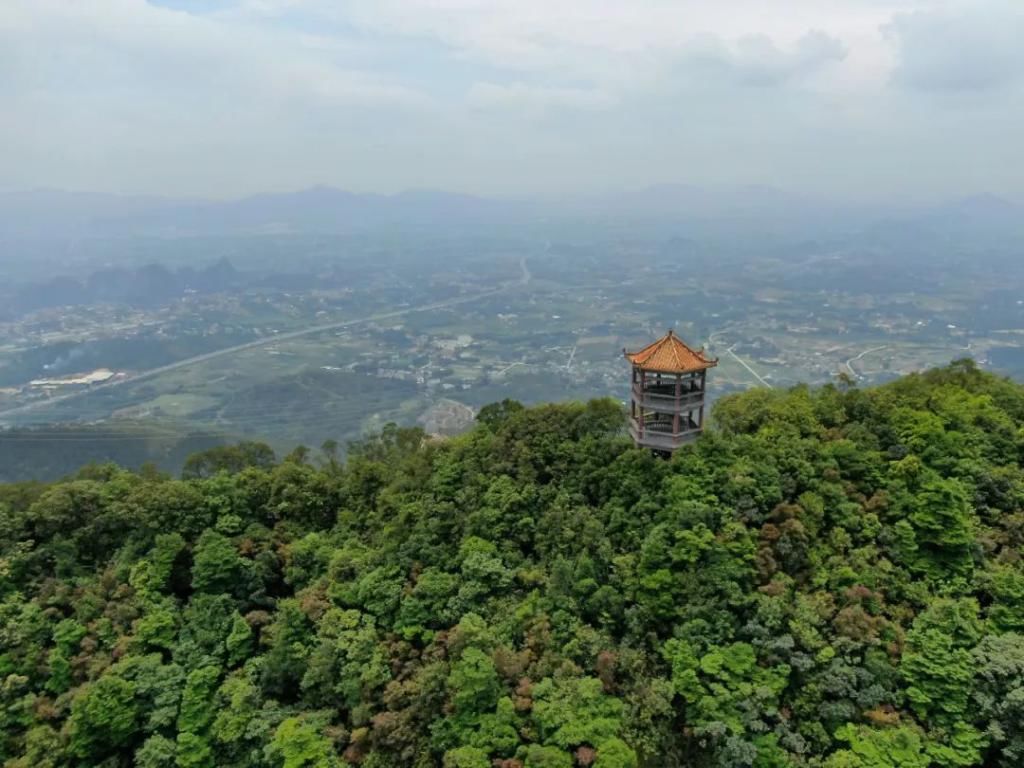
52 452
832 577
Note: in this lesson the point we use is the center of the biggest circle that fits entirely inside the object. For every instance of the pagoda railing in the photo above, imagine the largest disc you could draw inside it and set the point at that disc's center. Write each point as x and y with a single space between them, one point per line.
654 436
668 388
659 400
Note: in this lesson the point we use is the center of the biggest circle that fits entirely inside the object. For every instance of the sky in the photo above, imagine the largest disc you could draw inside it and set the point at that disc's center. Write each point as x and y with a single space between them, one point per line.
854 99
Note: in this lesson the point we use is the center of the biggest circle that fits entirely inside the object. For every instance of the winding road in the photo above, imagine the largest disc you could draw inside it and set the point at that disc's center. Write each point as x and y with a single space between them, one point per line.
849 363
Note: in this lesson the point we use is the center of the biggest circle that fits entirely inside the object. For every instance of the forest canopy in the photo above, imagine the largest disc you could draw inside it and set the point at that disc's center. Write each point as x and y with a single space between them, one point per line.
829 578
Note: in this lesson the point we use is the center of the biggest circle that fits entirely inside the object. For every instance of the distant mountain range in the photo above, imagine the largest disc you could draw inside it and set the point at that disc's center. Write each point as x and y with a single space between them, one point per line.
318 209
59 213
146 285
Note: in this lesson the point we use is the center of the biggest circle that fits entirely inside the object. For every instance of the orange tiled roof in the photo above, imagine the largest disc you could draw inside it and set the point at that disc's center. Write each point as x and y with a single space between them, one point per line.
670 354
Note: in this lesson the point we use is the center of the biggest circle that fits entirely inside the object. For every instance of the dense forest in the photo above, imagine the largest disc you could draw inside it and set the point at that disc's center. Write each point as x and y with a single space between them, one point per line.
831 577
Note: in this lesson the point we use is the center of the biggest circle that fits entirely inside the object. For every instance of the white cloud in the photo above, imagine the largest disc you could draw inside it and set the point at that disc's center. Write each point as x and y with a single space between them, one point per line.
130 44
960 47
120 93
606 40
236 96
756 60
526 98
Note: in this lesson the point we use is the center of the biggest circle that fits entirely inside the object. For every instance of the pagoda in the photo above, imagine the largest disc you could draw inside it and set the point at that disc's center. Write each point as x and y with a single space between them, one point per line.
667 393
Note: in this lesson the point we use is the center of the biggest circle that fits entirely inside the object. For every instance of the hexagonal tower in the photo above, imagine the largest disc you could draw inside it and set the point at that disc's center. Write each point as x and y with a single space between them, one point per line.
667 393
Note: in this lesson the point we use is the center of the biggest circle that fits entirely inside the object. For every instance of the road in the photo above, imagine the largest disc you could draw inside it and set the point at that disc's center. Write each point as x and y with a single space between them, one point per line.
742 362
737 358
849 363
711 339
523 281
510 366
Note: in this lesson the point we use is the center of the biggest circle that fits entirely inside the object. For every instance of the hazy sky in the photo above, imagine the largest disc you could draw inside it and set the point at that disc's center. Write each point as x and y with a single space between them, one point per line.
226 97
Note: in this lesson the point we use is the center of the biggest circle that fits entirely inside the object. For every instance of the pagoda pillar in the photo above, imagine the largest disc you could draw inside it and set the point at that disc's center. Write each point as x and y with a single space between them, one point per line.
675 411
643 385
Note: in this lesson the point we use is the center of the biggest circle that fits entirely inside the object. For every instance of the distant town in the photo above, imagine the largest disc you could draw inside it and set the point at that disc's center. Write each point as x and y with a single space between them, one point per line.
357 336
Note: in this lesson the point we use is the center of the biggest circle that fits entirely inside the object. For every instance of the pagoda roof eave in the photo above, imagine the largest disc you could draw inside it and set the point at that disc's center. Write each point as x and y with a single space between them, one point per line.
695 369
671 355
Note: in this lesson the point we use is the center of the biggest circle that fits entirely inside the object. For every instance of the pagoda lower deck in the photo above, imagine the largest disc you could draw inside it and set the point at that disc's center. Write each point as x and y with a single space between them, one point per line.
661 434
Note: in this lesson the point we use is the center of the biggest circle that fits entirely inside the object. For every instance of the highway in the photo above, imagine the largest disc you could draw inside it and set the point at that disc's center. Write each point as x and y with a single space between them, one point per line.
276 338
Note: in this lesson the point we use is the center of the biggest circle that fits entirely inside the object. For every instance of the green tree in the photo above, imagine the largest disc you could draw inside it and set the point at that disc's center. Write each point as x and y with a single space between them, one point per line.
997 696
228 458
299 744
888 748
937 662
466 757
104 719
216 566
575 711
539 756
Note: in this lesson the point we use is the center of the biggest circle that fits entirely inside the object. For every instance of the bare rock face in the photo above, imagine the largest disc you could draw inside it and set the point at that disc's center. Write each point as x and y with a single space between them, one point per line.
446 418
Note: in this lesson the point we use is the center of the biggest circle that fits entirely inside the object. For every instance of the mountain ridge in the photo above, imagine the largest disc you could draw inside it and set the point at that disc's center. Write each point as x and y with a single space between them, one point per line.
50 212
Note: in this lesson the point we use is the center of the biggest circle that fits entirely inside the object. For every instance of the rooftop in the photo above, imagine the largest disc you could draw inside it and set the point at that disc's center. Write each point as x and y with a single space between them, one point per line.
670 354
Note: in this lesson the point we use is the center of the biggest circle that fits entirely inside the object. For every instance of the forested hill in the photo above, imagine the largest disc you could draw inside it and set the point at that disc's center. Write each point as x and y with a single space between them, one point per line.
829 578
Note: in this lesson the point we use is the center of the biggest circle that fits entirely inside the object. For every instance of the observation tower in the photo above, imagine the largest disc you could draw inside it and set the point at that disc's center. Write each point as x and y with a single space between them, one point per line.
667 393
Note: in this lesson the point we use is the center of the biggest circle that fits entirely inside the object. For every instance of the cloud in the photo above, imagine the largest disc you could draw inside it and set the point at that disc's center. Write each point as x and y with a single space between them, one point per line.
607 40
134 45
535 99
125 93
225 97
758 61
960 48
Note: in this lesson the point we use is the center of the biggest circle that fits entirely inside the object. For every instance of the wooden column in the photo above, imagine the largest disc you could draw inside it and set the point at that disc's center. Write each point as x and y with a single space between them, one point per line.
640 420
675 411
703 390
632 394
